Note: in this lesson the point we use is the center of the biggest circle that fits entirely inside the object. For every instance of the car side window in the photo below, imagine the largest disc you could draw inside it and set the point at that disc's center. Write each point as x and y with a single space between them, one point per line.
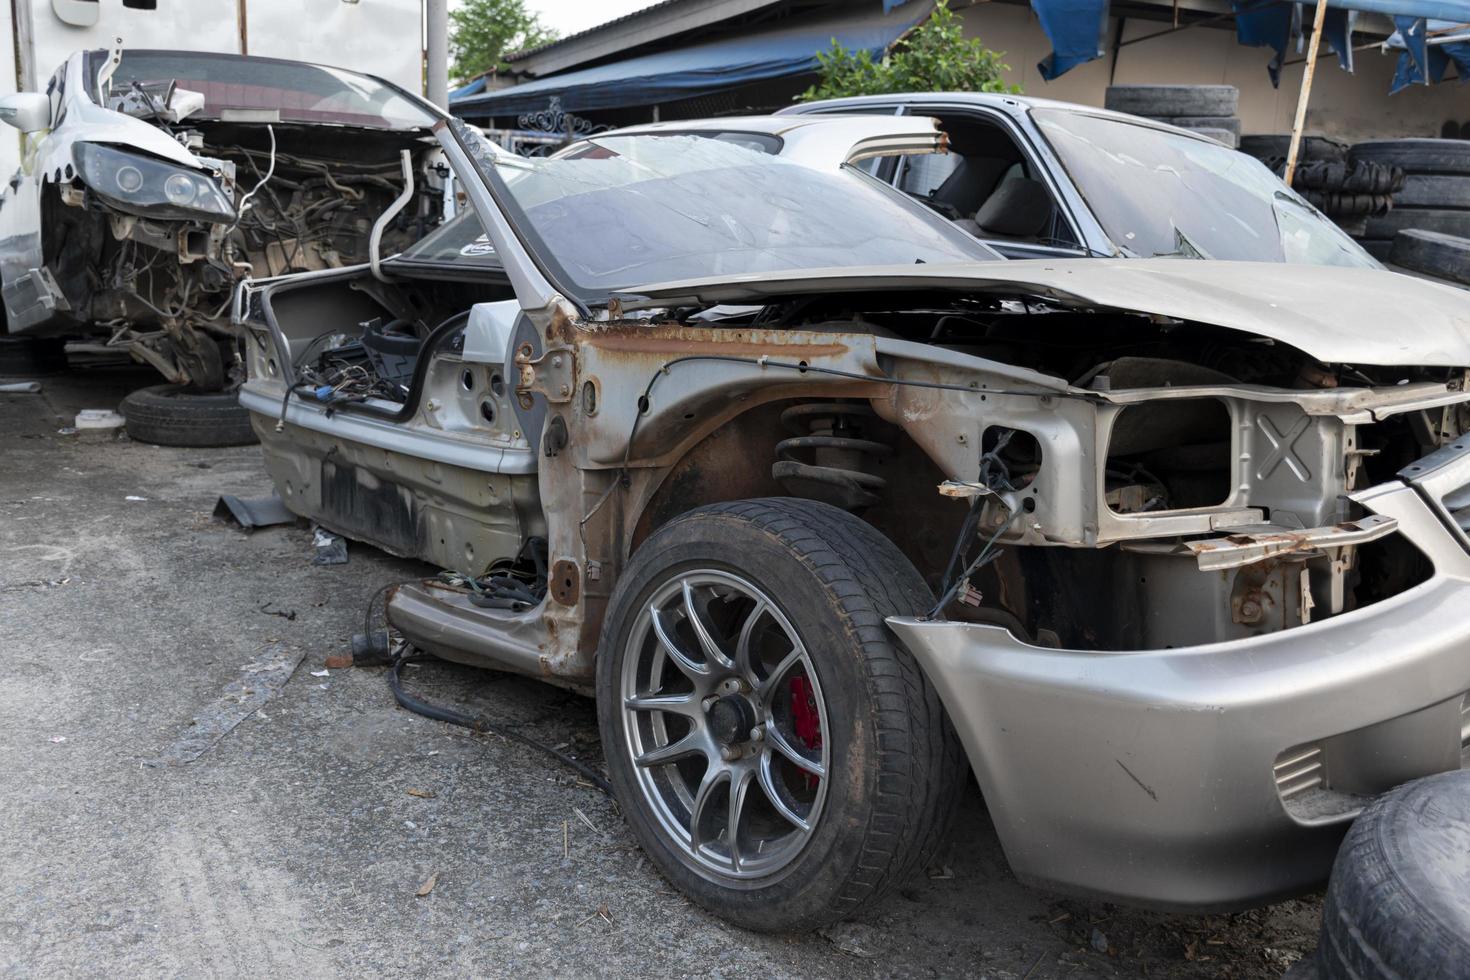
986 184
923 174
56 89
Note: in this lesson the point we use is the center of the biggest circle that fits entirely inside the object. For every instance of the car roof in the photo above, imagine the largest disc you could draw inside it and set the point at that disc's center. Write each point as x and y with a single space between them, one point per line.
824 141
776 125
1012 104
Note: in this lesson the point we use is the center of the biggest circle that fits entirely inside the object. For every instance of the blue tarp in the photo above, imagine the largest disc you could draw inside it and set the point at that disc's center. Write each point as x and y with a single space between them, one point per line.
1072 28
1422 62
1077 30
699 69
473 88
1276 25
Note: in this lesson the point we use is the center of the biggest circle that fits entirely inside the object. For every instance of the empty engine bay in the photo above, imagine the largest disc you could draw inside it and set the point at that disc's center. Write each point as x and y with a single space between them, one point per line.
1129 483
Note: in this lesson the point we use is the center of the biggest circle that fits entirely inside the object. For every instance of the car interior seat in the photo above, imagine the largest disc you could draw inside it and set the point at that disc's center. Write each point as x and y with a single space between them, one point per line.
1020 208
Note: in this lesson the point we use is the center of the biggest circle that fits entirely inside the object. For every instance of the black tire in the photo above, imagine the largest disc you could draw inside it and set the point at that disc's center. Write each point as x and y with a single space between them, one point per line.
1173 100
31 357
1348 205
1402 219
1398 903
1276 147
896 769
175 415
1435 191
1417 156
1228 123
1441 256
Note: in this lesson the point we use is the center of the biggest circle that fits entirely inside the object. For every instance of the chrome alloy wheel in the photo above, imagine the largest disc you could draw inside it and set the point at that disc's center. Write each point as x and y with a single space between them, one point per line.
724 721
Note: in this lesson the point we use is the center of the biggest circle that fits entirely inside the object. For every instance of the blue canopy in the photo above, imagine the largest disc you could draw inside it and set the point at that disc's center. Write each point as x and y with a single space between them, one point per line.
473 88
1073 27
699 69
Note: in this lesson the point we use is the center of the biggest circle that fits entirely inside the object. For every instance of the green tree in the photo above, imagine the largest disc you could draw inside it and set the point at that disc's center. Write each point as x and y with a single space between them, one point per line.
483 32
933 57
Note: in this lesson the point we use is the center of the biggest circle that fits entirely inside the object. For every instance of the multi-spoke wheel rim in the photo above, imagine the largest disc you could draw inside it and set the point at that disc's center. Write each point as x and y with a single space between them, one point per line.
725 725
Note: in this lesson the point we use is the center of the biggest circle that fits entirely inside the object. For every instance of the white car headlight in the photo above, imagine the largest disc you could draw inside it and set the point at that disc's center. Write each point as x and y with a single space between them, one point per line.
143 186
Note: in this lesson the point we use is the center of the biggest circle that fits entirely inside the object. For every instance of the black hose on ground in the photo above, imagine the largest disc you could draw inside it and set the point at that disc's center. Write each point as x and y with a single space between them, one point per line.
481 725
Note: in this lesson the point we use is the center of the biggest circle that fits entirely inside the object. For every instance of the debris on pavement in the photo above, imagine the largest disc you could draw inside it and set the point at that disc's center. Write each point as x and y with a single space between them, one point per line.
321 673
135 498
328 548
100 424
287 614
20 388
423 794
428 885
251 513
853 938
259 682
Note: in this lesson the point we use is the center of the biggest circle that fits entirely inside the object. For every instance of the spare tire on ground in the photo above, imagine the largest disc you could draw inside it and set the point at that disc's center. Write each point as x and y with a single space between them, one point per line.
1417 156
31 357
1273 147
1398 904
1173 100
176 415
1432 253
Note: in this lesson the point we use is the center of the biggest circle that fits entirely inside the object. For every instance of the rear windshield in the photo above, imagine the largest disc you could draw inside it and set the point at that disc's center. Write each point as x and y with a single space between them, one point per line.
460 241
299 92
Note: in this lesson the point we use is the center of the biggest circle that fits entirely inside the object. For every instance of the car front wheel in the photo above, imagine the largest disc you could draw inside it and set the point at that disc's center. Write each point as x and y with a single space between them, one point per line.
779 757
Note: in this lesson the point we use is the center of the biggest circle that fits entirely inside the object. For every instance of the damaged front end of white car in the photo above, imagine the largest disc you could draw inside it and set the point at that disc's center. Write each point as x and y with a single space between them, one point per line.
155 180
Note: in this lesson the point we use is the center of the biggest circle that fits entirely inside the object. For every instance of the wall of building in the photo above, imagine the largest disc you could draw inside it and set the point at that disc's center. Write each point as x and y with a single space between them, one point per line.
1352 106
380 37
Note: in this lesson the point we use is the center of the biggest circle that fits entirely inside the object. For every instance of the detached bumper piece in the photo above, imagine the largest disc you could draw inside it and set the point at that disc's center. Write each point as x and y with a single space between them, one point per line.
1222 775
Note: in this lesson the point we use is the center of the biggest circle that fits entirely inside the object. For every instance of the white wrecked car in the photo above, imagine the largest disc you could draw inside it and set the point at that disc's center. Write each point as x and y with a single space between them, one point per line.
153 181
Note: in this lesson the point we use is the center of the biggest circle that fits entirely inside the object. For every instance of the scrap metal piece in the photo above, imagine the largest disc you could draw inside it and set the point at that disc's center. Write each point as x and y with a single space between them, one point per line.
259 682
1236 550
327 548
964 489
252 513
21 388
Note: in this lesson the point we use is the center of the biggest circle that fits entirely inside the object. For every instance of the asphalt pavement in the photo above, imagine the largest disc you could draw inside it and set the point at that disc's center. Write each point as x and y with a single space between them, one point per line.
187 790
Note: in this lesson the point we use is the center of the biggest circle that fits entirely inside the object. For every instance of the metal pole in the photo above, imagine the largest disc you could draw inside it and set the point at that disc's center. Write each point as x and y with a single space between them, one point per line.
1306 93
437 59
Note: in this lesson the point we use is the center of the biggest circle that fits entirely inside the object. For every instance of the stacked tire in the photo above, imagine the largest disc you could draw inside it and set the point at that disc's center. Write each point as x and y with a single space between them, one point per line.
1350 192
1207 109
1434 199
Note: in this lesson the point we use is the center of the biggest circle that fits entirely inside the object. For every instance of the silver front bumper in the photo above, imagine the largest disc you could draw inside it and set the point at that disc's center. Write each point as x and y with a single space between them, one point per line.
1152 777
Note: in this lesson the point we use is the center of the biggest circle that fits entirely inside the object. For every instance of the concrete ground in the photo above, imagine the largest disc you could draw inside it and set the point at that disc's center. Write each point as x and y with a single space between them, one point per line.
296 845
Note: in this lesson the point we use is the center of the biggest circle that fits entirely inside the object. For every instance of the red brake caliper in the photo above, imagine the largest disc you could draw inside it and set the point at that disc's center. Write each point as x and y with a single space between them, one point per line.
805 719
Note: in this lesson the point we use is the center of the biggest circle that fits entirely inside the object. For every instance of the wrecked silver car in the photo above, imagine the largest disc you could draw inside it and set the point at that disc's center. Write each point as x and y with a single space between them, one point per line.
826 507
153 181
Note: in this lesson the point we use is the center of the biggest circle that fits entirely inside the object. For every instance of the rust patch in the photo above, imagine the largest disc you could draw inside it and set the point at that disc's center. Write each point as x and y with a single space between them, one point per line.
640 338
566 582
681 345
